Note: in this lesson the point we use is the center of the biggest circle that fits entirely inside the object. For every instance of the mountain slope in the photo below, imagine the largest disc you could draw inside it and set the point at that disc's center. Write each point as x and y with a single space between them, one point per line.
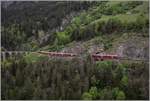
111 25
116 27
27 22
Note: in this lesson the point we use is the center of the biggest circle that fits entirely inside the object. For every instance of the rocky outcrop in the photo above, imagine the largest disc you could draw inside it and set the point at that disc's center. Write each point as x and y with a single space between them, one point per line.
65 21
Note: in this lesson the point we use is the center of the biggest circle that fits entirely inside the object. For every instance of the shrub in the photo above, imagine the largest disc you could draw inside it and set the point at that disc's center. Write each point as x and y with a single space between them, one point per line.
93 80
109 26
107 46
133 4
119 71
106 94
113 10
86 96
75 35
89 32
94 92
120 96
63 38
124 81
77 21
112 25
115 92
83 33
104 64
88 19
141 23
99 26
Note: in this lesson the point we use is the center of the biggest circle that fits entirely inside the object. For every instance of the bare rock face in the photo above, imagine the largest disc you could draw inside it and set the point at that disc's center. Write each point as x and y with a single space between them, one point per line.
135 48
65 21
77 48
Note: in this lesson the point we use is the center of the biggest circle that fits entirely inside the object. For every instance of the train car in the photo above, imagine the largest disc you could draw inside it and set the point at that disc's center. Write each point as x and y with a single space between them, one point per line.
101 57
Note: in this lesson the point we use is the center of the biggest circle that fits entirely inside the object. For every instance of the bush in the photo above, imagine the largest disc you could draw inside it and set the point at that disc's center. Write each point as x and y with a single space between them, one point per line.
106 94
112 25
109 26
104 65
89 32
124 81
86 96
142 23
63 38
113 10
94 92
111 93
83 33
115 92
120 96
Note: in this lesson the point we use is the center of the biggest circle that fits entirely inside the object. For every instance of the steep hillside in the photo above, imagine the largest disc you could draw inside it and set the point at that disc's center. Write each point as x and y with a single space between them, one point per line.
28 25
108 26
83 28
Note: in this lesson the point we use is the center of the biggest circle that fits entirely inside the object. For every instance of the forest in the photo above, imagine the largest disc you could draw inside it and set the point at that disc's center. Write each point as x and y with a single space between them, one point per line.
82 27
75 79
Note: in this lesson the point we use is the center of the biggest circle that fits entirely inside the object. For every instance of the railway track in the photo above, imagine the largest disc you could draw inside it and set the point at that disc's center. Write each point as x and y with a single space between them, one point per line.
95 57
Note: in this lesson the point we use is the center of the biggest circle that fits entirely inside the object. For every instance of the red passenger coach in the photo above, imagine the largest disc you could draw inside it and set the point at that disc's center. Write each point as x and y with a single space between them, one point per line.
57 54
101 57
61 54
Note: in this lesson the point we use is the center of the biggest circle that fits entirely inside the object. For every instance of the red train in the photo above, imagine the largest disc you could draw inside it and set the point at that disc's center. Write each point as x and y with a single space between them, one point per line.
96 57
101 57
57 54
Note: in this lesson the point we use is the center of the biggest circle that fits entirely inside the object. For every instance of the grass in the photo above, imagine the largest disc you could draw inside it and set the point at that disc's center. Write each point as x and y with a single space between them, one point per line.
34 57
141 8
111 3
121 17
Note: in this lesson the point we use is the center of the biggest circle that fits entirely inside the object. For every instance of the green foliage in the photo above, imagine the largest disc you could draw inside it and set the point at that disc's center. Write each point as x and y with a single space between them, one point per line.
34 57
119 7
120 95
119 72
91 95
101 19
113 10
115 92
94 92
6 63
124 80
93 80
38 77
142 22
74 79
27 91
13 36
115 24
106 94
86 96
22 24
62 38
104 64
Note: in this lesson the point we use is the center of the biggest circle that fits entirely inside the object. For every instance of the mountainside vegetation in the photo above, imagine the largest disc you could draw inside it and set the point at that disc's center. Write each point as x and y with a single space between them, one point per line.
74 79
24 23
83 28
29 26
